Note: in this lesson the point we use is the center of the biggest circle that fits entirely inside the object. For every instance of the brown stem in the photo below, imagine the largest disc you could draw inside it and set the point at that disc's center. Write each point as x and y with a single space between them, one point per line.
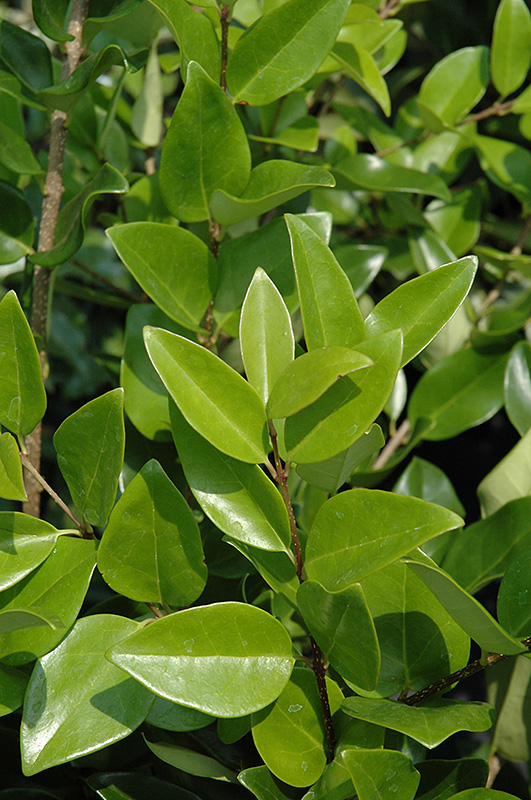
50 211
495 765
40 481
225 22
495 110
282 480
156 610
401 433
320 676
386 10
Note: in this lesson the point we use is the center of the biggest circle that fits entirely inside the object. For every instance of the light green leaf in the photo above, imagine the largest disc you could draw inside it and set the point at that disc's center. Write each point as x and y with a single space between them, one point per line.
342 415
239 498
190 761
514 598
261 783
205 149
482 794
17 225
266 336
360 531
12 689
290 736
457 222
25 542
66 715
373 174
173 717
506 164
510 478
359 65
508 688
380 774
213 398
90 452
151 549
342 626
283 49
303 134
174 267
430 724
425 480
310 376
146 116
517 387
22 395
422 306
194 34
467 612
511 46
459 392
11 483
271 184
329 309
238 654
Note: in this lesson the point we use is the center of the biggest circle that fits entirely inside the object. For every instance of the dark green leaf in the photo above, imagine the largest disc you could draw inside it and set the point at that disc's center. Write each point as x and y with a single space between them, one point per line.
517 387
16 154
11 483
276 568
261 783
514 598
455 85
12 689
191 762
16 226
511 46
50 16
440 780
506 164
16 619
371 173
380 774
135 786
425 480
508 689
26 55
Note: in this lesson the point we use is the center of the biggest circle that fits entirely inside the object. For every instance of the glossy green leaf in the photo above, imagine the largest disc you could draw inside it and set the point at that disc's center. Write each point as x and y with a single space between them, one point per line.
12 689
16 154
511 46
522 104
237 654
22 395
425 480
483 794
440 780
135 786
261 783
302 135
461 391
373 174
517 387
422 306
146 117
342 415
361 264
233 729
514 598
276 568
506 164
510 478
359 65
342 626
50 16
58 585
271 184
26 56
74 216
266 336
66 715
213 398
194 34
190 761
174 268
430 724
151 548
90 452
467 612
457 222
11 483
25 542
310 376
283 49
16 226
290 735
455 84
329 309
508 689
360 531
205 149
16 619
380 774
239 498
173 717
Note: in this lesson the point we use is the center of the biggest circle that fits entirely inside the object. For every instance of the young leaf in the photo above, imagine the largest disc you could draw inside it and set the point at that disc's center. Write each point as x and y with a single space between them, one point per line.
517 387
238 654
510 478
90 452
22 395
422 306
329 309
371 173
11 483
510 57
379 774
205 149
65 715
283 49
213 398
266 336
359 65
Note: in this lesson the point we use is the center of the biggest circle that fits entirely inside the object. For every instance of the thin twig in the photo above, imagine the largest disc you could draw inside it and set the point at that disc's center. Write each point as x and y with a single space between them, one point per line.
385 12
225 15
281 479
401 433
156 610
320 676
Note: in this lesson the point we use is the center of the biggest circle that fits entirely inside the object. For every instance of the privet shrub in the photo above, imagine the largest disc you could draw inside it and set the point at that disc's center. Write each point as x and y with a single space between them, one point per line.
290 200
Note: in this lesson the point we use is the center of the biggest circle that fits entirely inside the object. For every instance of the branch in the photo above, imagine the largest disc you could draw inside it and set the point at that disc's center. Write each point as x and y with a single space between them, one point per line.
225 15
401 433
282 480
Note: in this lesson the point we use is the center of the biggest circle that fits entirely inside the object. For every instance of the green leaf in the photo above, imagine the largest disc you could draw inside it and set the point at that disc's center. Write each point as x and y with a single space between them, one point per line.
194 34
425 480
26 56
511 46
11 483
517 387
261 783
283 49
15 619
22 395
173 717
483 794
508 687
12 689
135 786
342 626
379 774
191 762
151 549
310 376
302 135
342 415
90 452
506 164
329 309
16 154
59 585
213 398
430 724
50 16
238 654
454 86
74 216
359 65
146 116
457 222
205 149
66 715
467 612
239 498
459 392
422 306
290 735
25 542
266 336
360 531
373 174
174 268
271 184
16 226
510 478
513 603
276 568
440 780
